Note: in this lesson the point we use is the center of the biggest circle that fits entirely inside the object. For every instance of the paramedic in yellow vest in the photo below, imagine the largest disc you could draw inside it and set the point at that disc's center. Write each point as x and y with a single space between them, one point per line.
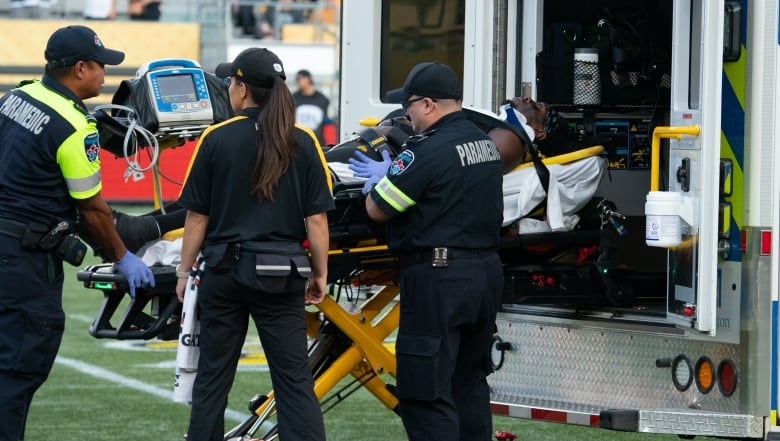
49 172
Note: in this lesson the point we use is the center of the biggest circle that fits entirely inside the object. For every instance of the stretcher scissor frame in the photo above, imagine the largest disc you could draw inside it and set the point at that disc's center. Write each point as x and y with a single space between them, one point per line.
366 326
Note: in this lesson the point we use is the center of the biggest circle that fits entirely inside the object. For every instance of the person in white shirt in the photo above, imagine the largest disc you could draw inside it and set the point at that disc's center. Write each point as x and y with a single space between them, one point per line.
100 9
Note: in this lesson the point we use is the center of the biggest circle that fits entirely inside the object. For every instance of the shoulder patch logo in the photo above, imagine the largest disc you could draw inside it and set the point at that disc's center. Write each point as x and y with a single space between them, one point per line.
91 147
401 162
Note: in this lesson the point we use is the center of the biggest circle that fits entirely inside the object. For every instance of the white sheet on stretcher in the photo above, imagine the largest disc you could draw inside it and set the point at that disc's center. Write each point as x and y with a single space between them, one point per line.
343 173
572 185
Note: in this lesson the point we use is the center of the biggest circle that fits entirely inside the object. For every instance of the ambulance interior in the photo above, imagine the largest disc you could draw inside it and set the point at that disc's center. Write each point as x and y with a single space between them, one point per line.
605 66
616 97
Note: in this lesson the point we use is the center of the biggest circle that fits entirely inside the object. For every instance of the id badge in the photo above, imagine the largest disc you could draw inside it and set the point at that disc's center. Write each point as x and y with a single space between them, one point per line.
440 257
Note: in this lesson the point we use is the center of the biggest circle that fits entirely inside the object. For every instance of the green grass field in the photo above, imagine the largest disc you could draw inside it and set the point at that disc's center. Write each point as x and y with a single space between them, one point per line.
121 391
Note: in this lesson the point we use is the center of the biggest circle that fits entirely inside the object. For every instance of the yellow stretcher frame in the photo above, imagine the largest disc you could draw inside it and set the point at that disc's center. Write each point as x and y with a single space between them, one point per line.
566 158
366 359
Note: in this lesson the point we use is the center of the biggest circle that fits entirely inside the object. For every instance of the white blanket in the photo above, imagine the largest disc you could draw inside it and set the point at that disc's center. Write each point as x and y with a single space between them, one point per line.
572 185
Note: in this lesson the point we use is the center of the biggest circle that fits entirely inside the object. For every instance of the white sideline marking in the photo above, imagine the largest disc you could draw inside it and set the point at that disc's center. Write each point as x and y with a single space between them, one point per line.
81 318
113 377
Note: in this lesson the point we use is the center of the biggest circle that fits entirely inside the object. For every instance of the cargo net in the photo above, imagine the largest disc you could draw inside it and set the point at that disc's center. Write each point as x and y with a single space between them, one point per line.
587 88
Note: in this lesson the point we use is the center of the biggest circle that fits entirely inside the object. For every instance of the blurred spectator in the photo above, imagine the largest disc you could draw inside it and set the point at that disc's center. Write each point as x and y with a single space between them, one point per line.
30 9
311 106
244 18
276 16
100 9
148 10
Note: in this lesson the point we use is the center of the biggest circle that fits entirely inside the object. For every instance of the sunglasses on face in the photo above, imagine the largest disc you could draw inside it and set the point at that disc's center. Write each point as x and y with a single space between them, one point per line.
409 102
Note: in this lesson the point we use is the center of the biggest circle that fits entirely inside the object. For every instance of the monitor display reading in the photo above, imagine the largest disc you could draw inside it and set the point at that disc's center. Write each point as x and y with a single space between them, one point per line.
177 88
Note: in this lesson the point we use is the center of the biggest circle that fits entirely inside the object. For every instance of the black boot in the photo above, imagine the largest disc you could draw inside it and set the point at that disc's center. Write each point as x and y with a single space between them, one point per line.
135 231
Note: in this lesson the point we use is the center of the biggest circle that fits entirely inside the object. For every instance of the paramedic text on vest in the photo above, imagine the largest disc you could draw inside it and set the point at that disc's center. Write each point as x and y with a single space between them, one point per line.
49 170
441 199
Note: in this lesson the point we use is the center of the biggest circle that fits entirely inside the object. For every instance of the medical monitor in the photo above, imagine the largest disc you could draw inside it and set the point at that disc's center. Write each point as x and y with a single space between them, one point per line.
179 94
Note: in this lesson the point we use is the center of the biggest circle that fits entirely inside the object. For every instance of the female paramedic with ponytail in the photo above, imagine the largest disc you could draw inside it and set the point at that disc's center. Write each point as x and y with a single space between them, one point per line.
257 188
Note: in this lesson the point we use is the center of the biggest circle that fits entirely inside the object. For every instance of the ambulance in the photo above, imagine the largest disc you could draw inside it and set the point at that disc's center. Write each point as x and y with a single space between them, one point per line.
676 332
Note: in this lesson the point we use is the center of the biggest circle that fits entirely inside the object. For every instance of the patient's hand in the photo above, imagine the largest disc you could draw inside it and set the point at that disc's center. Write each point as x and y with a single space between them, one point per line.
315 290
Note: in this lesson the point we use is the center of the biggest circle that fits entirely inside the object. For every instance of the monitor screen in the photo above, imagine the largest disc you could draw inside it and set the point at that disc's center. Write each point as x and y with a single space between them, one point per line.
177 88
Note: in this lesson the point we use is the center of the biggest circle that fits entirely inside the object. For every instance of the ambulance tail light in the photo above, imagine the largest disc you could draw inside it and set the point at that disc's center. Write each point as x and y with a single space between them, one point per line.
764 246
704 374
766 242
682 373
727 377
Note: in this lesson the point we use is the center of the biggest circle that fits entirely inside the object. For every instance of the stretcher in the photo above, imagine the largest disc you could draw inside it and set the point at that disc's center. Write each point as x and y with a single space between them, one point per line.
347 338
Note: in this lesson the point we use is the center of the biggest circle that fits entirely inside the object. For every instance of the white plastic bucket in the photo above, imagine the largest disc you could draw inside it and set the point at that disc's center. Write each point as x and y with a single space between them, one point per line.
662 220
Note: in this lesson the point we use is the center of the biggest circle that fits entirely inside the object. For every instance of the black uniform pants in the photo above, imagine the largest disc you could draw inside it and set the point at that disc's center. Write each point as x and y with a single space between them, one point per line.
442 350
31 327
224 308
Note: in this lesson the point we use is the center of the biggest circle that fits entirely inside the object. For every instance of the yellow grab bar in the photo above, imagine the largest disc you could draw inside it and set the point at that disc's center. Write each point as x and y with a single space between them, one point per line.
655 152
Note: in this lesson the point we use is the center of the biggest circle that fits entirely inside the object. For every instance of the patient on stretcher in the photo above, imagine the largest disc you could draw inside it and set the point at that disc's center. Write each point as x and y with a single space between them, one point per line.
574 172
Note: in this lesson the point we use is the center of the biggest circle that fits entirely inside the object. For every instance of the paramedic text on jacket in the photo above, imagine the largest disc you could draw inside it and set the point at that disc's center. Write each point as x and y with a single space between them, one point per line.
49 169
441 198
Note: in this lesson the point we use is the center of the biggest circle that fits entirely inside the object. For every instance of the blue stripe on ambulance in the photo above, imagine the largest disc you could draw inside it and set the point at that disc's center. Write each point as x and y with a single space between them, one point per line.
733 136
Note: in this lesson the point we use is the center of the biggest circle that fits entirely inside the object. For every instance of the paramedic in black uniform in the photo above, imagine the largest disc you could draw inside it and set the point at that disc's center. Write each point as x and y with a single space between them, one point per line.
49 167
441 198
258 187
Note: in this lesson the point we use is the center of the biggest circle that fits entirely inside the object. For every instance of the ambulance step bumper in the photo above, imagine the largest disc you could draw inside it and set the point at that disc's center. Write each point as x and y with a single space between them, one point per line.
699 423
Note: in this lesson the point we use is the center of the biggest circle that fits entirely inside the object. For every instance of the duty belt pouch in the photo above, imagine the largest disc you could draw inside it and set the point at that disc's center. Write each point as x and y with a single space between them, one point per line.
273 271
33 234
72 250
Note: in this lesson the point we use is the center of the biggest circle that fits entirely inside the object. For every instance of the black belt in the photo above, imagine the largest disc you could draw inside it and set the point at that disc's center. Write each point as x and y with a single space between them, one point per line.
439 256
12 228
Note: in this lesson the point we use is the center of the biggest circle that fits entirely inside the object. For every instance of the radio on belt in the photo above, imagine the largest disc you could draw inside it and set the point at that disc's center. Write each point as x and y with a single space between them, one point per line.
179 94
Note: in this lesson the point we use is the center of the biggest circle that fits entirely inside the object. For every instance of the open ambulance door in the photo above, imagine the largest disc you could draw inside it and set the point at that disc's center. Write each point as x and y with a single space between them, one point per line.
704 283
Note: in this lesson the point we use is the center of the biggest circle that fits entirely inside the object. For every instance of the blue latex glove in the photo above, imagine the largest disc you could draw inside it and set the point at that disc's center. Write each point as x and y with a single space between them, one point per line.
365 167
136 272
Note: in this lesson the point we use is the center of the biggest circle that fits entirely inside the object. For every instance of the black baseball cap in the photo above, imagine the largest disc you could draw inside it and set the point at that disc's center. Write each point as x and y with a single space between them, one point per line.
72 44
256 66
432 80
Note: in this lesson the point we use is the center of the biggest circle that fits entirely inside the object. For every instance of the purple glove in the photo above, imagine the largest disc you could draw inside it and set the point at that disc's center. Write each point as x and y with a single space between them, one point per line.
365 167
136 272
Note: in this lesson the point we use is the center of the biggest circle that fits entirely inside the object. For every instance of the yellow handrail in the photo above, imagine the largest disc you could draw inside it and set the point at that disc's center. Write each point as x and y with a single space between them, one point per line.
655 153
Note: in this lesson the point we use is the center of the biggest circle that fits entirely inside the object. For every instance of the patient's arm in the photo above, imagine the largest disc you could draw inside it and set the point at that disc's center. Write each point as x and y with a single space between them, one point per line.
510 147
